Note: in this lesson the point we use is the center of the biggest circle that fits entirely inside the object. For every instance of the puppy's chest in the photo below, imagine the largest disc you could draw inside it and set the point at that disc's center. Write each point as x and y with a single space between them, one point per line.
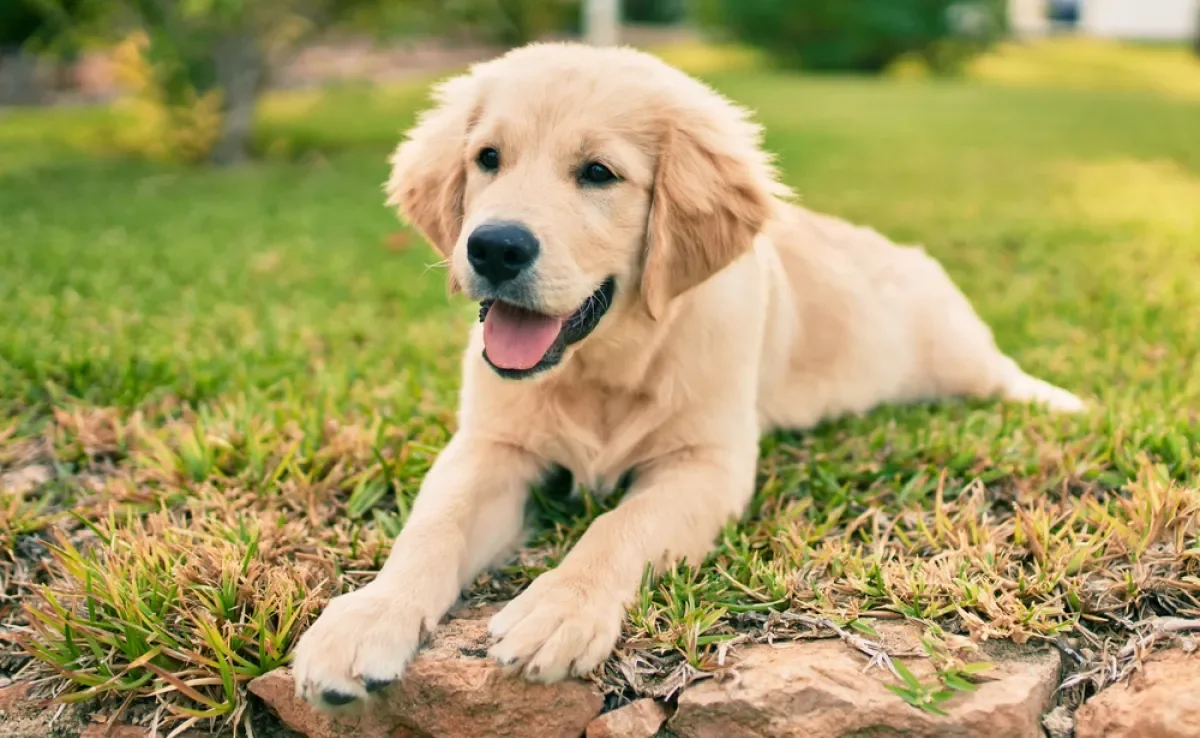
598 436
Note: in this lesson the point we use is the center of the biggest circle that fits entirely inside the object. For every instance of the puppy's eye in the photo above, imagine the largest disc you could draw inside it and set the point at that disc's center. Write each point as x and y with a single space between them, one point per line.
488 159
596 173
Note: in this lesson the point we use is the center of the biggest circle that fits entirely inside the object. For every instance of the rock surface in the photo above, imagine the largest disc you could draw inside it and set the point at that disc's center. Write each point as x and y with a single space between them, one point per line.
22 480
638 719
451 689
278 690
23 716
13 695
818 689
104 730
1162 700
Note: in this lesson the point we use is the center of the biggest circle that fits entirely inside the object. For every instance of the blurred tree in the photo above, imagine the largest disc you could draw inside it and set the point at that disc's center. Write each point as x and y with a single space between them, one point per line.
1196 38
18 72
653 11
215 54
29 28
19 22
601 22
860 35
502 22
516 22
42 25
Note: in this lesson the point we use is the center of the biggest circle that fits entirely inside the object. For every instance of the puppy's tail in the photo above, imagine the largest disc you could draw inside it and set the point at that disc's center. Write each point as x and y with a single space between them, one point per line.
1018 386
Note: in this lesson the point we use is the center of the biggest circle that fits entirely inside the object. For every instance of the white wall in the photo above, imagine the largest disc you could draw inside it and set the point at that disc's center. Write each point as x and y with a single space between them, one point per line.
1028 17
1140 19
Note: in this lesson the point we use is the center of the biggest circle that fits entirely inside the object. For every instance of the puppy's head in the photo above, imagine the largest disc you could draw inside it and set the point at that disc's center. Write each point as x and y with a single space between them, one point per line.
567 184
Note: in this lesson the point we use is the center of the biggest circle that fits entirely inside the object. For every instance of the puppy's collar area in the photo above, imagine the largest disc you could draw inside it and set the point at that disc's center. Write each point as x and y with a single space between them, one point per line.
574 329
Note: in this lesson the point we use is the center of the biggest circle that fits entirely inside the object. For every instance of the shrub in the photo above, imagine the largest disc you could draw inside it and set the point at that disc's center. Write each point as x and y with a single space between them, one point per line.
170 117
196 68
860 35
18 23
505 22
652 11
42 25
516 22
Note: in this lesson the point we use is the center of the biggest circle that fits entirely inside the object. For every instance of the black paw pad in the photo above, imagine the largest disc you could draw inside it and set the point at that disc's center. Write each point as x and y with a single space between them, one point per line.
337 699
376 685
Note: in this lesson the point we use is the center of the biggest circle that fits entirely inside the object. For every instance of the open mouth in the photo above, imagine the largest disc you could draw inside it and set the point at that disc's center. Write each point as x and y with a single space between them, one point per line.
518 342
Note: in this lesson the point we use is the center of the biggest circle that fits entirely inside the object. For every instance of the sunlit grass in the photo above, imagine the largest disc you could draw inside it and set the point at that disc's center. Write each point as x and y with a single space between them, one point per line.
1093 64
705 58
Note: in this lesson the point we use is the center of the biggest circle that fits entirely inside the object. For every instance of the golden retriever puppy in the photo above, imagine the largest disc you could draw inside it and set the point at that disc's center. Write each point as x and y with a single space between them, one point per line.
650 304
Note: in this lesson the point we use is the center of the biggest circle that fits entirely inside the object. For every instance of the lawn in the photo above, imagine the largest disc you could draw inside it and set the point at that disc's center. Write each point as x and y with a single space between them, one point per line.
219 390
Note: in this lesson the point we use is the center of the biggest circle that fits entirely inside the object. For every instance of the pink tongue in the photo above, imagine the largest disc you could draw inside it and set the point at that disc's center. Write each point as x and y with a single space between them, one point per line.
516 338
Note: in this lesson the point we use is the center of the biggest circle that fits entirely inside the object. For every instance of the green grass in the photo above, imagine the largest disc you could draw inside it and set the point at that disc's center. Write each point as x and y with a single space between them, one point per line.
236 380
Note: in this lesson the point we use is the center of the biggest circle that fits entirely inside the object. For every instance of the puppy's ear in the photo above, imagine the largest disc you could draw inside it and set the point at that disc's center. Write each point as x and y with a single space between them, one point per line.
714 190
428 168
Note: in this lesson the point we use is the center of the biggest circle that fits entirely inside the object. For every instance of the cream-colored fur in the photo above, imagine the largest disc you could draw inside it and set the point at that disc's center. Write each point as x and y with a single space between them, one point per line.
735 312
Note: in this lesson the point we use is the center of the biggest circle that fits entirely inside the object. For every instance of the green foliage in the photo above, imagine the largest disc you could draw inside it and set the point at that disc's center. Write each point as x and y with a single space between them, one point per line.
951 675
195 65
508 22
860 35
184 40
501 22
46 25
927 696
932 695
19 22
162 606
653 11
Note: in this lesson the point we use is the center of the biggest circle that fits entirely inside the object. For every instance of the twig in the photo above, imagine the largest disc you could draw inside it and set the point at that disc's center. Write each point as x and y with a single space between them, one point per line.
874 651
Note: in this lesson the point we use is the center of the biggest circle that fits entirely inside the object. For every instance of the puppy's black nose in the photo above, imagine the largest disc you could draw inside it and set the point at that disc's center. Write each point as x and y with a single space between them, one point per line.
501 251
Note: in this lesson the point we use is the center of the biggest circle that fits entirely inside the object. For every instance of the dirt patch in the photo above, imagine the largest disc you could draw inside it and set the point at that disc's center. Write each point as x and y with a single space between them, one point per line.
31 718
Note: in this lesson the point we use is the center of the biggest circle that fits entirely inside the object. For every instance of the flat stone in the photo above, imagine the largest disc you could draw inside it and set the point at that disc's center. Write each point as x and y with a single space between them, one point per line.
125 730
638 719
22 480
25 716
450 689
819 689
106 730
14 695
1161 700
278 690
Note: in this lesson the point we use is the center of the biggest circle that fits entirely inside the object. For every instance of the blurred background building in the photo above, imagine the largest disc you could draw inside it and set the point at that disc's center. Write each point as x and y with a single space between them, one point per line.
1134 20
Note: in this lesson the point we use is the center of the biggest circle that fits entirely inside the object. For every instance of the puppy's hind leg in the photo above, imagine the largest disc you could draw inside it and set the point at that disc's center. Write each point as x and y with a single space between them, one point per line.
966 362
1018 386
962 358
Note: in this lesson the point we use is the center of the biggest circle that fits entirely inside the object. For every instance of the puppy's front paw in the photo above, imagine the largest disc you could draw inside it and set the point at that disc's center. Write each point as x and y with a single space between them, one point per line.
359 645
558 626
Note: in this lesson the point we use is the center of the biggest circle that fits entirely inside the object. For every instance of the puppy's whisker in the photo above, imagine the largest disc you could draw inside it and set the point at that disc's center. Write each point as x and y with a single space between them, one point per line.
443 264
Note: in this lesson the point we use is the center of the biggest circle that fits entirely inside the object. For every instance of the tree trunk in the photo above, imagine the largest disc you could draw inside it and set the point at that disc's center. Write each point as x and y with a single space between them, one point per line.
601 22
19 80
1196 34
241 75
